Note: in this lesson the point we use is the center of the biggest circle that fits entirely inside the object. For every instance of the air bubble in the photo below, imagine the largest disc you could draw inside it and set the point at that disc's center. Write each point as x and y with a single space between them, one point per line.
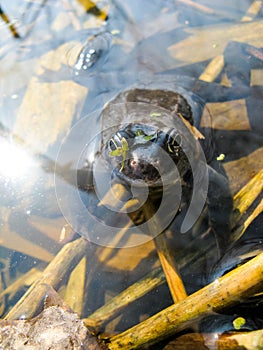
93 54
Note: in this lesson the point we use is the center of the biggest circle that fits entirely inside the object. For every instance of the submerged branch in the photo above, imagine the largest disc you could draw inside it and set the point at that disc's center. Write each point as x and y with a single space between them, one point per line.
53 275
238 284
243 204
116 305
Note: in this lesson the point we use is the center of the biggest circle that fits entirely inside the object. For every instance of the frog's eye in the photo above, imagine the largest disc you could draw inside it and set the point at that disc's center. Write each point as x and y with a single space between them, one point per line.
117 139
174 142
114 143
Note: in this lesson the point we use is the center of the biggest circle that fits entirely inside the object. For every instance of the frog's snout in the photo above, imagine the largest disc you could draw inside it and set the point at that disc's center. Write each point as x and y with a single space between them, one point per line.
143 163
142 170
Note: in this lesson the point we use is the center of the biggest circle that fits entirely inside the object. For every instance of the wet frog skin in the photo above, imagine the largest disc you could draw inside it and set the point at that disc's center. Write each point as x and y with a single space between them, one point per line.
145 140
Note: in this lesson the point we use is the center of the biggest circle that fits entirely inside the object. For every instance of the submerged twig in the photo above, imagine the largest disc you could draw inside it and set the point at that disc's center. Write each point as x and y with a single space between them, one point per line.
238 284
53 275
252 11
246 222
170 268
213 69
74 296
10 25
166 257
91 7
146 284
247 195
243 201
117 304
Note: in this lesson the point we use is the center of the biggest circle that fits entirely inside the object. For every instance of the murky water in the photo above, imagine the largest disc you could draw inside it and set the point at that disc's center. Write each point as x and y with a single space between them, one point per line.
61 152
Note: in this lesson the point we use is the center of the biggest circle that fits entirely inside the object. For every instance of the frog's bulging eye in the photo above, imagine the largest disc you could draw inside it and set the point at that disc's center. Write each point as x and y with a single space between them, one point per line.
115 142
174 141
117 139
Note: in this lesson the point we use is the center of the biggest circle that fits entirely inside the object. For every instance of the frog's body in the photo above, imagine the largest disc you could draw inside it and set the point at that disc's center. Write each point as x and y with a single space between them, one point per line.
131 143
174 131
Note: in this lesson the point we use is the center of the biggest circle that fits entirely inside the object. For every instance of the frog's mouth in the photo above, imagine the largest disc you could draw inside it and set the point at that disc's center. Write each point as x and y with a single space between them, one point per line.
144 164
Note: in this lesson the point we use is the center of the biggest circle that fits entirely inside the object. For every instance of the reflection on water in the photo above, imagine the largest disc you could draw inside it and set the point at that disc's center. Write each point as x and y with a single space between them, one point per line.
60 63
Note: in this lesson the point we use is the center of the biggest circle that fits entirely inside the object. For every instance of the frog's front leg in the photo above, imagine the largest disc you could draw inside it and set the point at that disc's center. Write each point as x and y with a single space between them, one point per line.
220 206
239 59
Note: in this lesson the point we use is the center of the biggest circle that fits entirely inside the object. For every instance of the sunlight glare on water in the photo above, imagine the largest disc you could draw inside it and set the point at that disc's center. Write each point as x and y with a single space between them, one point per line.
15 163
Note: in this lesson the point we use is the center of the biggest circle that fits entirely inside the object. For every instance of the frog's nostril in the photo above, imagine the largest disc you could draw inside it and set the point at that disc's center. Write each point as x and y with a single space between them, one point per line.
133 163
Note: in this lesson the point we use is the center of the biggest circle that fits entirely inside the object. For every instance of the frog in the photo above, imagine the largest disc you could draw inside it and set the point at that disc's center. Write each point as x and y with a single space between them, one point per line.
172 104
151 122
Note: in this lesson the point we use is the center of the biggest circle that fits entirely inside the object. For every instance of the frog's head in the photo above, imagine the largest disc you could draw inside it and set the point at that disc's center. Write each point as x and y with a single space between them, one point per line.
145 153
